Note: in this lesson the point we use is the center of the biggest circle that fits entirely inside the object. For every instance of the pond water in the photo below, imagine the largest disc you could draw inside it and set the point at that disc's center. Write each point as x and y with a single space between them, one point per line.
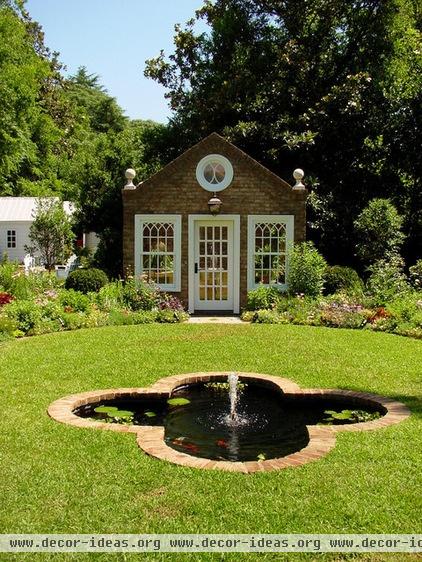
266 424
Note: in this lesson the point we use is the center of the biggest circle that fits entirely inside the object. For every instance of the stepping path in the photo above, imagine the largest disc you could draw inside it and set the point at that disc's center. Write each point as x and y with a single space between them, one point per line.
215 320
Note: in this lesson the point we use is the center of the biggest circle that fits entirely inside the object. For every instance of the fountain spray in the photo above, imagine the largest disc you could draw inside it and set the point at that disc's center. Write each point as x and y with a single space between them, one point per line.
232 379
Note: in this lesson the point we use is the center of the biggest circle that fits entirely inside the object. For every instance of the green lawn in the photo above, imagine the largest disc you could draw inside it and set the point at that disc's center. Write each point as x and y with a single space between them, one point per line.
56 478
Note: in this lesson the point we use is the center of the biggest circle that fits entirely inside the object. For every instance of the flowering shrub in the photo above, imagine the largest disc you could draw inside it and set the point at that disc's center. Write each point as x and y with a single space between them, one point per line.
140 295
387 280
343 315
5 298
402 316
169 302
415 275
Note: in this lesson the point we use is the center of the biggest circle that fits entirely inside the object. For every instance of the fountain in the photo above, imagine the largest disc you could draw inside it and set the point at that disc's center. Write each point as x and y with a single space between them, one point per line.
233 417
233 380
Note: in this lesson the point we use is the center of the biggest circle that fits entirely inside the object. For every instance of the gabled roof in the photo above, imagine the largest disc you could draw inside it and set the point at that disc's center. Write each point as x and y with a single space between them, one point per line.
222 141
23 209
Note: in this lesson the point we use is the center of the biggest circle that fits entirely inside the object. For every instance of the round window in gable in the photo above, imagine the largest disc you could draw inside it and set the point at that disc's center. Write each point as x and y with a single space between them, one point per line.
214 172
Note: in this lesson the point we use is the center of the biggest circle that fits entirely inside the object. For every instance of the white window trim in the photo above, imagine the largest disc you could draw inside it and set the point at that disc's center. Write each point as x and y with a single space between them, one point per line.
140 220
236 256
228 170
12 234
288 220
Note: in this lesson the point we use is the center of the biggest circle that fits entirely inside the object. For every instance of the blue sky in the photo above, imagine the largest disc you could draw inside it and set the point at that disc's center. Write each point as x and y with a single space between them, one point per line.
113 38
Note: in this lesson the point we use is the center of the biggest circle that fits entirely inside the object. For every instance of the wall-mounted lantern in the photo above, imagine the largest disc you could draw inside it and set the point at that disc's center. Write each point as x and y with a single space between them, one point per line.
214 205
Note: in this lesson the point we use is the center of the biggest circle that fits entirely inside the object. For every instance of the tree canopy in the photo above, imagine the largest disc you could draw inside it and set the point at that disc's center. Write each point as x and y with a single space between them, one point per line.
333 86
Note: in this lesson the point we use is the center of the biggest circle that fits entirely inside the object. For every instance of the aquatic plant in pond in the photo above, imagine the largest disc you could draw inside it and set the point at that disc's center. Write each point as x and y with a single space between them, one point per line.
349 416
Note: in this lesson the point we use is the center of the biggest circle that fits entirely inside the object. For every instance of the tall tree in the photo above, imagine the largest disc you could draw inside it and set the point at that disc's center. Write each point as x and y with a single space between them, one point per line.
35 118
330 85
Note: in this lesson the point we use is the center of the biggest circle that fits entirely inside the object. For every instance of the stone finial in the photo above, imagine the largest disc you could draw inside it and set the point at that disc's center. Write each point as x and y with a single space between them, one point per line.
129 175
298 176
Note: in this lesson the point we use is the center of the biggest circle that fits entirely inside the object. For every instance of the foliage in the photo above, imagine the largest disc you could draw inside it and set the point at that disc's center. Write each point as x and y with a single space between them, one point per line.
110 296
386 280
138 294
351 416
51 232
306 270
299 309
74 301
402 315
267 317
26 314
406 308
8 272
262 298
34 118
415 275
86 280
8 327
356 131
38 304
378 230
171 316
339 278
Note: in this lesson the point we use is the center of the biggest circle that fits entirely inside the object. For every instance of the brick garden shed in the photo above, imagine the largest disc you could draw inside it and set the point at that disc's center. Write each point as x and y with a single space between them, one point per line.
212 225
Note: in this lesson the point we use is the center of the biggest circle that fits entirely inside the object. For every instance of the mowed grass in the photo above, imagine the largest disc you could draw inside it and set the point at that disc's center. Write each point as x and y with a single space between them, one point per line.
59 479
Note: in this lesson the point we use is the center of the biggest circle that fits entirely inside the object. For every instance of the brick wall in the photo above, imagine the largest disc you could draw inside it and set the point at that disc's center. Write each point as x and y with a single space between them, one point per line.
175 190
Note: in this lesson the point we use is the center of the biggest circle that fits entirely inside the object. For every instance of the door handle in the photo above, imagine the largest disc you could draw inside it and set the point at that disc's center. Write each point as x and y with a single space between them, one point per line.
196 268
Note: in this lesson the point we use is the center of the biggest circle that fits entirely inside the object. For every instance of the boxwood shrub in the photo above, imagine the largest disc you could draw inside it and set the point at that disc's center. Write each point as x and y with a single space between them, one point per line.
339 278
86 280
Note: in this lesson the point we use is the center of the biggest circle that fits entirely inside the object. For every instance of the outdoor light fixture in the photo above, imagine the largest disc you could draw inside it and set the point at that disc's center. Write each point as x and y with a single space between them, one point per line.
214 205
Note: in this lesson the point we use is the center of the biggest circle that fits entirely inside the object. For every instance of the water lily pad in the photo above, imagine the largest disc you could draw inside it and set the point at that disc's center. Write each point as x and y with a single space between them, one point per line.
121 414
150 414
105 409
178 401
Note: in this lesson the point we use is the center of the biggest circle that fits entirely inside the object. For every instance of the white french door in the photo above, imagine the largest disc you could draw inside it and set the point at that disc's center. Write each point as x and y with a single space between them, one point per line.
213 265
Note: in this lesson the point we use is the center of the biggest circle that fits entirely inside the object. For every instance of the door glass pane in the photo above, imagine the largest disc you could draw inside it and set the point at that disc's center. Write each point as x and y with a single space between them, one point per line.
213 277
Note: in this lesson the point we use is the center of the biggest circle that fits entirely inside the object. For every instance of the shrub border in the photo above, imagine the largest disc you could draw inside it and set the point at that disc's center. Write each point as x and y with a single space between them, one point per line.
151 438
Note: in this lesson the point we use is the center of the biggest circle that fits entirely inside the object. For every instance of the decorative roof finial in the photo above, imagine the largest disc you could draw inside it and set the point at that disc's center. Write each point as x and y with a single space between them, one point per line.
129 175
298 176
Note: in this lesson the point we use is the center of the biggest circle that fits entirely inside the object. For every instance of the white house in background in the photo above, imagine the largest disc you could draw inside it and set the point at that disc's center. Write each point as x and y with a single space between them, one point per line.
16 217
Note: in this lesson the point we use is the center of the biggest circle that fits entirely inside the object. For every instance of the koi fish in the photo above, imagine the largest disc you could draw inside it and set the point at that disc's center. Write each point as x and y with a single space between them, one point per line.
181 442
222 443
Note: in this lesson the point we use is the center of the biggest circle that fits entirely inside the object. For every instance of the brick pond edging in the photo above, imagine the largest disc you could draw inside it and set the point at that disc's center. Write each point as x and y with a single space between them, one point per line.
151 438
